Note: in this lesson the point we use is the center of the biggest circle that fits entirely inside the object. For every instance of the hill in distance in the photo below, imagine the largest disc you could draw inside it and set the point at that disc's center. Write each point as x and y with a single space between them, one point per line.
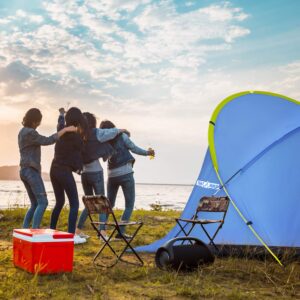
12 173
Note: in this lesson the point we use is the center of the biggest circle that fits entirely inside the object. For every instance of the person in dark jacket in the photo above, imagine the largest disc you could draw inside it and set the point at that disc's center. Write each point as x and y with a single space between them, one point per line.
30 142
120 172
68 159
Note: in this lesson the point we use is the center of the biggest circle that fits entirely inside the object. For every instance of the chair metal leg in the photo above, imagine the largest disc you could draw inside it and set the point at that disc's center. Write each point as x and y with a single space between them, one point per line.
183 230
106 244
128 245
220 226
210 239
118 256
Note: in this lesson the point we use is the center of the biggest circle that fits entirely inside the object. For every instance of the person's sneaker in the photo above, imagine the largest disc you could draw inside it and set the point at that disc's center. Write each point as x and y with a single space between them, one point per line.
79 240
83 235
126 236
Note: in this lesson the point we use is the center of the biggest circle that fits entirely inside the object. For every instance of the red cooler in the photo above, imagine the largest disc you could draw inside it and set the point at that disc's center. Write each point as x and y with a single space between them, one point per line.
43 251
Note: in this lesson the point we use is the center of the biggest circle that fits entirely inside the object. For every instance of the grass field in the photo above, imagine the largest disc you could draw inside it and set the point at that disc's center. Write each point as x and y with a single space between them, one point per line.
229 278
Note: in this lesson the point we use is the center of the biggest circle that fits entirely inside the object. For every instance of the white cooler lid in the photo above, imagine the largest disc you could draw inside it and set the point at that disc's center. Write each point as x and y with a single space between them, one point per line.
43 235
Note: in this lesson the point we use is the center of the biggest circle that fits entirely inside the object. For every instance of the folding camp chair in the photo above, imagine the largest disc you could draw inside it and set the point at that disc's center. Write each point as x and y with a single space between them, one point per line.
206 204
100 204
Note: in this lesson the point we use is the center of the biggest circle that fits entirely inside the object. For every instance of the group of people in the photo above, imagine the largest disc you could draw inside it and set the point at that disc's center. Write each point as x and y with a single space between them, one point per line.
79 145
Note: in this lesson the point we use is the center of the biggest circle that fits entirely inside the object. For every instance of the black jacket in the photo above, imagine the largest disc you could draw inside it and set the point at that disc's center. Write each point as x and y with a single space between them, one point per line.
68 151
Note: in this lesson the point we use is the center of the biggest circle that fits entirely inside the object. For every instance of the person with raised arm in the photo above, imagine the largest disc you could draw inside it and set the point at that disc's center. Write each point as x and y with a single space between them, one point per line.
68 159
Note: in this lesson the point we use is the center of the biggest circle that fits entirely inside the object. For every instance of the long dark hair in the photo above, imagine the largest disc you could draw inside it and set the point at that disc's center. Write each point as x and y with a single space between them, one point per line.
106 124
90 119
33 116
74 117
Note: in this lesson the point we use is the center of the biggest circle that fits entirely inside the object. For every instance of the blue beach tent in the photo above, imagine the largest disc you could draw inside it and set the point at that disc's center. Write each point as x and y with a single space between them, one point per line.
254 158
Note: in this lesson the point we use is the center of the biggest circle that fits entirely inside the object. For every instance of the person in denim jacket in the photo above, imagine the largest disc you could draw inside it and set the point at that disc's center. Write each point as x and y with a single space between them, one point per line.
30 142
120 172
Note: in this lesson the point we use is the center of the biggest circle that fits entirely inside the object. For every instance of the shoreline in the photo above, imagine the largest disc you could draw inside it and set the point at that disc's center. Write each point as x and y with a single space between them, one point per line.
156 208
148 196
137 183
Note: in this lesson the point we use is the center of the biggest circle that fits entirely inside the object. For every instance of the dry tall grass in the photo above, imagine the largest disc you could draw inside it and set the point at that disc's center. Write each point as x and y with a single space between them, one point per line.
229 278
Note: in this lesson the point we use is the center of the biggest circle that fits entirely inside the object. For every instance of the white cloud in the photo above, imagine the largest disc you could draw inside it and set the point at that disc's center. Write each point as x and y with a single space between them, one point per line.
112 8
291 68
224 13
235 32
4 21
59 12
36 19
113 46
168 35
21 13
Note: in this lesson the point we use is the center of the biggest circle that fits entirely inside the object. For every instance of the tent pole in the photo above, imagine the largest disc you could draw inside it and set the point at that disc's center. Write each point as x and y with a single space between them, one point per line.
248 223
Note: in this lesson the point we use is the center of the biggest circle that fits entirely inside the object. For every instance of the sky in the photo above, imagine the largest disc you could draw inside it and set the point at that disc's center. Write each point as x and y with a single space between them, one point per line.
157 68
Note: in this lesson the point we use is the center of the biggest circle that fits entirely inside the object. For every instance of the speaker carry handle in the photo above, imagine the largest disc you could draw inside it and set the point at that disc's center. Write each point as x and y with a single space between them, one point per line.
168 246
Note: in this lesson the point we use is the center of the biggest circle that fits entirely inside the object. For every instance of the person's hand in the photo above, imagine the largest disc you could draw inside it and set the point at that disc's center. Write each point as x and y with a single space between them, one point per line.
62 111
151 152
71 129
125 131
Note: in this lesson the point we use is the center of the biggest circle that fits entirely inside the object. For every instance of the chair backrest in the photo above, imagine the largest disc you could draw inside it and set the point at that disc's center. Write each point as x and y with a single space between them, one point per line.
97 204
213 204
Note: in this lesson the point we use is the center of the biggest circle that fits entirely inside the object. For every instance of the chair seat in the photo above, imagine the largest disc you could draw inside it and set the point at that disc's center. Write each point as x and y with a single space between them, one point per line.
200 221
120 224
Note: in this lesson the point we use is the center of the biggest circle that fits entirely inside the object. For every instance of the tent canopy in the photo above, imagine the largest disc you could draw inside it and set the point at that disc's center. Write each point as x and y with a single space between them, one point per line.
253 157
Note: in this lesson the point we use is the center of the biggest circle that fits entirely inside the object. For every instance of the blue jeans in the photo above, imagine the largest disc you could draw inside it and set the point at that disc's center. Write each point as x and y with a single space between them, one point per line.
92 183
126 182
63 181
37 194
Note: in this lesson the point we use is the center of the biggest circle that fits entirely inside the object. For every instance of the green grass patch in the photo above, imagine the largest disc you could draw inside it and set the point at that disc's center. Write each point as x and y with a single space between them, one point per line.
230 278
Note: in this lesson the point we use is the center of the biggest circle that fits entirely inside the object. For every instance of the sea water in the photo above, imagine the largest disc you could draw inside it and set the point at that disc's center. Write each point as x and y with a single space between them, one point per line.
13 194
